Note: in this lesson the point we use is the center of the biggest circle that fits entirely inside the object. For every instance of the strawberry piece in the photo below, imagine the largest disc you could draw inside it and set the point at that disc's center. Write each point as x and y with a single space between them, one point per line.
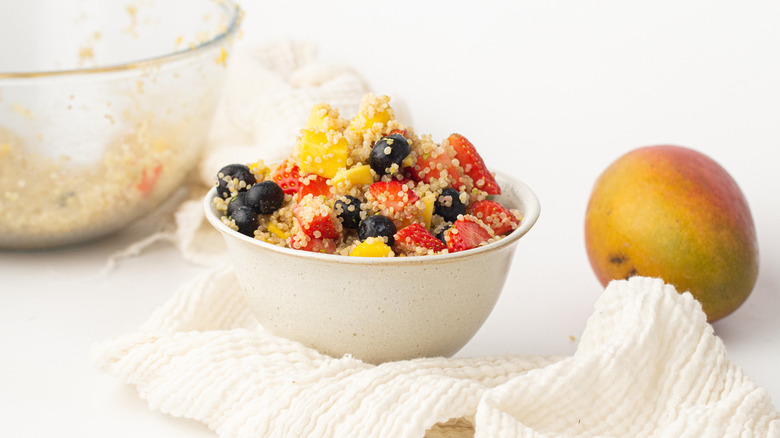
429 167
148 179
392 196
288 177
307 243
473 165
414 236
405 180
402 132
315 220
466 233
315 185
494 215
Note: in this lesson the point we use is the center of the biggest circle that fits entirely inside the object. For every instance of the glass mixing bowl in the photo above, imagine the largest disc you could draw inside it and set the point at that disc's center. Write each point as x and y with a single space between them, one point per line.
104 107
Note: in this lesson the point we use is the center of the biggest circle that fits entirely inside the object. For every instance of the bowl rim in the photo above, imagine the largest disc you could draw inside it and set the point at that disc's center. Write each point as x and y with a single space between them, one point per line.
231 8
530 207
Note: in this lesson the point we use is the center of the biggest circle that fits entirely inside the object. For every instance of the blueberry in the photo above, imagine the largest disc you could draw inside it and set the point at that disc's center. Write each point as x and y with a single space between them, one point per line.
388 150
377 226
233 171
348 211
265 197
235 202
246 220
448 205
441 234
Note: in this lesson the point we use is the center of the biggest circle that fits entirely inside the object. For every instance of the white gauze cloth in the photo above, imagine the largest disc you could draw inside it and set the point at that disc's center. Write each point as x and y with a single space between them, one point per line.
648 365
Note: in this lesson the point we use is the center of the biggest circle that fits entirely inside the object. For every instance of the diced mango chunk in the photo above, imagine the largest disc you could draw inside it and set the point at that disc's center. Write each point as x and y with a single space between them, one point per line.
360 174
323 118
372 247
361 122
278 231
373 110
322 155
317 117
429 201
259 169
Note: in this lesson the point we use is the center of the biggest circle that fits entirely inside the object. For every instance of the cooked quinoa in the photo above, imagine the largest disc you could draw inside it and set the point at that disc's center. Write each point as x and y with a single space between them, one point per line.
47 201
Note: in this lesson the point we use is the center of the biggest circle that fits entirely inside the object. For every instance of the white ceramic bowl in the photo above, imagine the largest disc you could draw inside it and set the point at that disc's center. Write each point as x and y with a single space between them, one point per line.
104 107
376 309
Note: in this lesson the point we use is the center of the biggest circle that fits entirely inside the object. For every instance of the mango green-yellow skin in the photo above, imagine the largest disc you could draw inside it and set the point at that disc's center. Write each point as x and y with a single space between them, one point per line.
673 213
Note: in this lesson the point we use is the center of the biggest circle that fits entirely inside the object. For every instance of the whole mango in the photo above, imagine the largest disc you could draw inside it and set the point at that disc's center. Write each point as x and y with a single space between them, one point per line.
674 213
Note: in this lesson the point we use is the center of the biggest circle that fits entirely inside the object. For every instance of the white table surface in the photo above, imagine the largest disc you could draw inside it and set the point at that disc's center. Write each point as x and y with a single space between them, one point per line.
551 91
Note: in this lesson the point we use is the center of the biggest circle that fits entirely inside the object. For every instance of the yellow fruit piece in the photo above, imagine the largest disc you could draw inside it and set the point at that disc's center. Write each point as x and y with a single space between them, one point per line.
408 161
361 123
360 174
322 155
372 247
318 118
324 118
259 169
373 110
276 230
427 213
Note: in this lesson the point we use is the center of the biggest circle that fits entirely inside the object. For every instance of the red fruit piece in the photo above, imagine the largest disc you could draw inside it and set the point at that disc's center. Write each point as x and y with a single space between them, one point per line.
494 215
287 175
473 165
429 167
414 236
148 179
402 132
392 196
404 179
466 233
307 243
315 185
314 218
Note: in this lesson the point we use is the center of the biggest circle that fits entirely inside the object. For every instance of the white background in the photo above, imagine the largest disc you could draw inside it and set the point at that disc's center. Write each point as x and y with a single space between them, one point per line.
551 91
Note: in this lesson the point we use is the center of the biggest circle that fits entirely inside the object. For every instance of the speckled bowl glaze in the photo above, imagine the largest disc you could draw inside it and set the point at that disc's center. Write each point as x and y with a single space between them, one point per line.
377 309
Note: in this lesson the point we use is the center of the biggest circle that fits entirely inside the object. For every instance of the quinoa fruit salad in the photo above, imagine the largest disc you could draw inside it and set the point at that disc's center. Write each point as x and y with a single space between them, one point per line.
367 187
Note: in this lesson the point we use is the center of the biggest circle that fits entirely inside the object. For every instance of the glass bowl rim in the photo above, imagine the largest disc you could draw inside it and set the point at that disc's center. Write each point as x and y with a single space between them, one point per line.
231 8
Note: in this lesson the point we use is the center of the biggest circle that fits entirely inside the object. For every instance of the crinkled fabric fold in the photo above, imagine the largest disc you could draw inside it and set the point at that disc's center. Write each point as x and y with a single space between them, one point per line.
648 364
